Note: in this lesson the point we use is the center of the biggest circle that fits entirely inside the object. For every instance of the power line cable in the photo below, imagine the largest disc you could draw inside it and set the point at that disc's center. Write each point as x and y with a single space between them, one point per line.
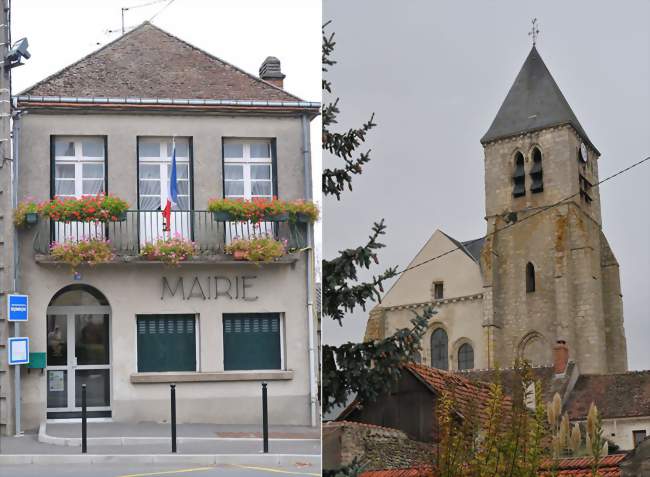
155 2
161 10
537 212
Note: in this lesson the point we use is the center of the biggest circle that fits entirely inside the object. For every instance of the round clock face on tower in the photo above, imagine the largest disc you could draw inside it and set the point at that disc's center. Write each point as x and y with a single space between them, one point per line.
583 152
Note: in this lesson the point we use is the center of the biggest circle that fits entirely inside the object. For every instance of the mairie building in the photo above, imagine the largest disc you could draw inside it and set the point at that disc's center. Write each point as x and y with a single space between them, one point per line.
214 326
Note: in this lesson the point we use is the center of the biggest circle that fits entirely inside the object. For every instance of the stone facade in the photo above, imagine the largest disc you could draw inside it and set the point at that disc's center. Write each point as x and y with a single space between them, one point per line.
552 234
577 292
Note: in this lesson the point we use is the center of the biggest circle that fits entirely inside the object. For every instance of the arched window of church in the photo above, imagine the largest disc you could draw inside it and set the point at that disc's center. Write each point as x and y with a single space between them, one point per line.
536 172
519 177
530 277
439 349
465 357
416 357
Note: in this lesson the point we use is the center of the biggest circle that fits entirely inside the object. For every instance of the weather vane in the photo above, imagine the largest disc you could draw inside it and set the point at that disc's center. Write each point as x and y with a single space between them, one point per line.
534 31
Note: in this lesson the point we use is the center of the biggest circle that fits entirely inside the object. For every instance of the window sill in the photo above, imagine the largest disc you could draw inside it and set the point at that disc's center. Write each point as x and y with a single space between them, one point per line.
189 377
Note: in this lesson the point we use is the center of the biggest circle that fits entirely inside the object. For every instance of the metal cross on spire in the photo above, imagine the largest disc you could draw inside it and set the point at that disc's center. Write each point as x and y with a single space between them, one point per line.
534 31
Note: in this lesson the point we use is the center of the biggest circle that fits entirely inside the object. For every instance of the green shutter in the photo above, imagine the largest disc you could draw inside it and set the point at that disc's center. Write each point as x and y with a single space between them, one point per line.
166 343
251 341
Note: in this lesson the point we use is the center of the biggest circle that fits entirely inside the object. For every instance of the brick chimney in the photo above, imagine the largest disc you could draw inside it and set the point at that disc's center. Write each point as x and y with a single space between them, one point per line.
271 72
560 356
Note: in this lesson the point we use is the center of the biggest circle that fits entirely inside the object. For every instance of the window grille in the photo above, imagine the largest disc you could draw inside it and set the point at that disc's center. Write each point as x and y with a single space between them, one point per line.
536 172
519 177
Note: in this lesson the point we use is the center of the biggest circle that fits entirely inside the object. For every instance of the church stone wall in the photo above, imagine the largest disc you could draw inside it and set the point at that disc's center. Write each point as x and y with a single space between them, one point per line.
461 320
577 293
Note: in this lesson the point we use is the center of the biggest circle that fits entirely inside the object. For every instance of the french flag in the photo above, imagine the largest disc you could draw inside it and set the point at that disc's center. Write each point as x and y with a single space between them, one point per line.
172 193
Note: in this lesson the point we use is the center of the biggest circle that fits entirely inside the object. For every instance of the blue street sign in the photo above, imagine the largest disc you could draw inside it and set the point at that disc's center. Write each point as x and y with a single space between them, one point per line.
19 350
17 307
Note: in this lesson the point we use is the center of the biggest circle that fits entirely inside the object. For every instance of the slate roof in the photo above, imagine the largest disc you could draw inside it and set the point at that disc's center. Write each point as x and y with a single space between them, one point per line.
606 391
148 62
534 102
472 248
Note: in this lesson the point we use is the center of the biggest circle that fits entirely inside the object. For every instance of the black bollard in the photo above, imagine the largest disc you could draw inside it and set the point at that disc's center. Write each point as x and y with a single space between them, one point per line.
265 419
173 394
84 421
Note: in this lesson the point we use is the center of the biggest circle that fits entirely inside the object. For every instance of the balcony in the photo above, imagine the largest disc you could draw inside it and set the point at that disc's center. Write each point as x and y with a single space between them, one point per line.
142 227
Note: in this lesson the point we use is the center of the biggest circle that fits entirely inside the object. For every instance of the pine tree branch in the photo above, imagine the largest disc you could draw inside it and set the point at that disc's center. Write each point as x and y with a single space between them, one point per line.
369 369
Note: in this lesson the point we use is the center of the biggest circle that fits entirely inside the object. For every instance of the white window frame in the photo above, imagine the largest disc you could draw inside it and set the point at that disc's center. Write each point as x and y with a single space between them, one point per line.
163 161
247 161
78 160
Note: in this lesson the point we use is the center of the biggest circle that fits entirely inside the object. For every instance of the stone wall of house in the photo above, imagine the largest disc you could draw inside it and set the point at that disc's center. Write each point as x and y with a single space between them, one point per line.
574 299
373 446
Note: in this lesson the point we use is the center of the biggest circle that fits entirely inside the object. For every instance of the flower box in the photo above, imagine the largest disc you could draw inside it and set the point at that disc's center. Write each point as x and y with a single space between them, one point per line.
26 213
280 217
221 216
99 208
239 255
31 218
302 218
258 210
256 249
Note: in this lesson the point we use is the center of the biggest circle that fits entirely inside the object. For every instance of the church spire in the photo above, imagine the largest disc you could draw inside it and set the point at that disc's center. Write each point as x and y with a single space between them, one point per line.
534 102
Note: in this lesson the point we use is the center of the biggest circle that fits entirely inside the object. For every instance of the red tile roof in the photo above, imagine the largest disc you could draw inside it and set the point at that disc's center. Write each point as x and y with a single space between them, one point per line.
148 62
469 395
606 391
413 472
574 467
581 467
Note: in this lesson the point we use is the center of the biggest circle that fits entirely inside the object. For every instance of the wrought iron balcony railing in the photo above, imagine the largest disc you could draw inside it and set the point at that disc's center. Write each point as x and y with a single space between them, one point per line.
146 226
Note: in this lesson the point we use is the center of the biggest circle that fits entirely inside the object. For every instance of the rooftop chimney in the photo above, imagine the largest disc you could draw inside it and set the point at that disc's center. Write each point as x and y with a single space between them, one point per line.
271 72
560 356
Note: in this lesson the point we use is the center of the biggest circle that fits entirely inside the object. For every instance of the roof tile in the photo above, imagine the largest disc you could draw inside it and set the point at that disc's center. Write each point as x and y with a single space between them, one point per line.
148 62
605 390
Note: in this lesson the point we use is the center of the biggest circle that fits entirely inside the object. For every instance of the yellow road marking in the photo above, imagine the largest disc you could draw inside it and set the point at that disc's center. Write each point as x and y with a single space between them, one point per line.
167 472
269 469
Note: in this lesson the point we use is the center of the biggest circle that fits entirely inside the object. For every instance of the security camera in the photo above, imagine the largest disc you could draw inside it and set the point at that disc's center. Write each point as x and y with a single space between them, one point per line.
18 51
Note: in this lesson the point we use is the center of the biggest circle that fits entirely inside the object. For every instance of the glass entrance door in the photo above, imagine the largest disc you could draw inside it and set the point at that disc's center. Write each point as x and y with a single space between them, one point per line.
78 353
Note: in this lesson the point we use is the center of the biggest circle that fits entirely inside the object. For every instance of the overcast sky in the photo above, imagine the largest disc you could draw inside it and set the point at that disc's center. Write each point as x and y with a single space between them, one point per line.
435 74
242 32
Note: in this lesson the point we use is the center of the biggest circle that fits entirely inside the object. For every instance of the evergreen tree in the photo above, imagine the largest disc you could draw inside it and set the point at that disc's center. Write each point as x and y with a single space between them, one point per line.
365 369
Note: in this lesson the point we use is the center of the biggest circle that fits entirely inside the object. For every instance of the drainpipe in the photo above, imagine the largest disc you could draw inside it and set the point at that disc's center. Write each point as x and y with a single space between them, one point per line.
306 152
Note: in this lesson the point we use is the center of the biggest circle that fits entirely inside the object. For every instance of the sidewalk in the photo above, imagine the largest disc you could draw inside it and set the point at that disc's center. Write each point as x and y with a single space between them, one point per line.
112 432
150 442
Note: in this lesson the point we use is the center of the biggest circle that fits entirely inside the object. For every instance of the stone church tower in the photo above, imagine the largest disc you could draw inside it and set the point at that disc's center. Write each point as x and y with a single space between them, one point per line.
550 275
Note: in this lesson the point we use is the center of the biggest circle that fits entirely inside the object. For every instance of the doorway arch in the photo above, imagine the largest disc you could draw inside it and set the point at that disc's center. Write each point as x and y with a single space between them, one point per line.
78 352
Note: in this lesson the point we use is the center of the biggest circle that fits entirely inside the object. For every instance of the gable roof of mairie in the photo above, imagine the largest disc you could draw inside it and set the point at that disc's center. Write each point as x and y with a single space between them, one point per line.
148 62
534 102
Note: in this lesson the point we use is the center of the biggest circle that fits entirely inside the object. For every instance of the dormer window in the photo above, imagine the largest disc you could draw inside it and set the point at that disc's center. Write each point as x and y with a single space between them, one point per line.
536 173
519 177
